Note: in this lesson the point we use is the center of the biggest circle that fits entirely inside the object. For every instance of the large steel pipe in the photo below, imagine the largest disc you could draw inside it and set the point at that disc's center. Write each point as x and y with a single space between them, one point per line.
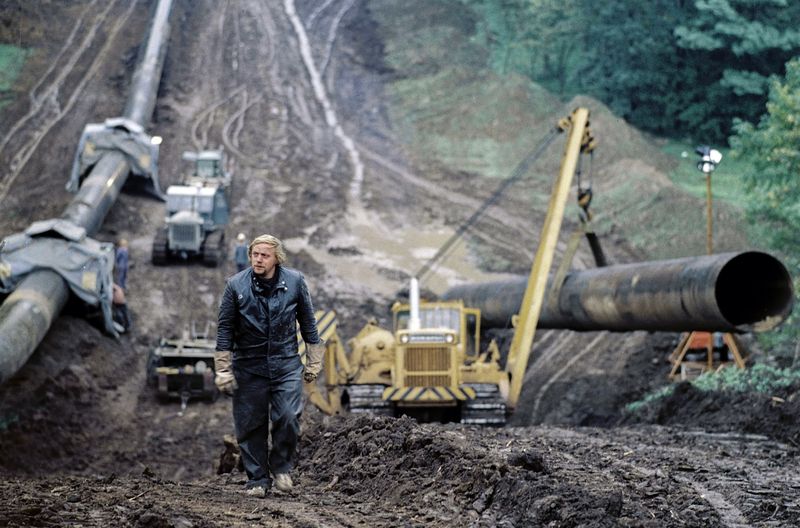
144 90
730 292
26 315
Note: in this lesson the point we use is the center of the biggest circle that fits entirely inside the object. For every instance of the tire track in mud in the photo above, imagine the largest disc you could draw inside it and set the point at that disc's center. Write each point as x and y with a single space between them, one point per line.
26 151
663 461
235 124
205 119
37 101
237 121
317 11
332 32
321 95
51 91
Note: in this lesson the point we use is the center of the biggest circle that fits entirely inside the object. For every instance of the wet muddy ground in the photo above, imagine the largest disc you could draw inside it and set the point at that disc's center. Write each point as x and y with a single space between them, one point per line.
83 439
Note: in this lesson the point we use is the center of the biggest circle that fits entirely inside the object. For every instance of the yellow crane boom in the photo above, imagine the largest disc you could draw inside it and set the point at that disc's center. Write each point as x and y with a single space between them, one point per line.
579 140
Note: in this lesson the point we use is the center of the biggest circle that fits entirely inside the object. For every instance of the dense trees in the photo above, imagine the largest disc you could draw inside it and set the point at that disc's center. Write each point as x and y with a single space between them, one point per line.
773 147
683 68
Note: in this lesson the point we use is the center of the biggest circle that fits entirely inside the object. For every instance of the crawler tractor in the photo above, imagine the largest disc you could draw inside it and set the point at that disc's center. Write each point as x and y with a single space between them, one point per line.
183 367
430 365
197 213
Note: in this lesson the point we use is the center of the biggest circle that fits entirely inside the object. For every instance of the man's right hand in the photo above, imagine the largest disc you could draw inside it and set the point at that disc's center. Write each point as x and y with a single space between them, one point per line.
224 379
314 356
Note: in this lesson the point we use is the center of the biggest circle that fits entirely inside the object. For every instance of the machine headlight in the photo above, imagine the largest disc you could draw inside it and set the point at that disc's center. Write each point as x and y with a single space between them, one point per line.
404 338
449 338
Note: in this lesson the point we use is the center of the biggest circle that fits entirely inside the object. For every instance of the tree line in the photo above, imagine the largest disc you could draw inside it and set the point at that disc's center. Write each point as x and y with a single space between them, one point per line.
676 68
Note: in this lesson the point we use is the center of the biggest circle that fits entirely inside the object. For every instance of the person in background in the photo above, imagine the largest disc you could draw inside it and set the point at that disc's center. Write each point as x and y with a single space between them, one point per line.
121 259
240 253
257 361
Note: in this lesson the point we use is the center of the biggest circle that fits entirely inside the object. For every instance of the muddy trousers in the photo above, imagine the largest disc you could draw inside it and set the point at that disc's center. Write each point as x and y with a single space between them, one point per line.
271 392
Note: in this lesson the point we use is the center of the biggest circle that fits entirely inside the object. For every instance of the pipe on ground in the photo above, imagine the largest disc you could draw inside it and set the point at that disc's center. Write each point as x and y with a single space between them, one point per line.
731 292
26 316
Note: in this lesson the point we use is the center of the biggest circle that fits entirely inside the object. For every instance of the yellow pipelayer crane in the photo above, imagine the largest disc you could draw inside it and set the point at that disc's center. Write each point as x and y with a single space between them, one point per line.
430 365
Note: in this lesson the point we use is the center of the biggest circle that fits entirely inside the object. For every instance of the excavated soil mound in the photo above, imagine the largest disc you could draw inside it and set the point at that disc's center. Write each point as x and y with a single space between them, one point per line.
775 415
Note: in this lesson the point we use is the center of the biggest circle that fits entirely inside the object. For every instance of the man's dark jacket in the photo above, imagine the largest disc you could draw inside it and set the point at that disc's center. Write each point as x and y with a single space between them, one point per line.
253 324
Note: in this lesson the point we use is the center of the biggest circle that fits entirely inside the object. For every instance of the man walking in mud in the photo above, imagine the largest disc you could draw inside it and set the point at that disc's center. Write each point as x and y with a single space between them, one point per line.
257 361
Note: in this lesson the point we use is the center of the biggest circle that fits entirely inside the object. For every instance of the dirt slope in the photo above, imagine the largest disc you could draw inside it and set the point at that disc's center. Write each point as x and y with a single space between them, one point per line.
360 204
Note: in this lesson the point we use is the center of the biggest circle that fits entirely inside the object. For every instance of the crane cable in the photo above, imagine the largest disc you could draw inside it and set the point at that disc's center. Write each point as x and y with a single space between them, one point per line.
518 172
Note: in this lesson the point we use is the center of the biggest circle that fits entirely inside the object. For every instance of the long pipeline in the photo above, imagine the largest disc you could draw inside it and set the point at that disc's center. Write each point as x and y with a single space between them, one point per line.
27 314
730 292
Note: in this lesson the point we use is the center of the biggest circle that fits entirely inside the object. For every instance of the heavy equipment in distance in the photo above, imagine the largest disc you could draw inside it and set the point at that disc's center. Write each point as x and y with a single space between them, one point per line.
183 367
197 213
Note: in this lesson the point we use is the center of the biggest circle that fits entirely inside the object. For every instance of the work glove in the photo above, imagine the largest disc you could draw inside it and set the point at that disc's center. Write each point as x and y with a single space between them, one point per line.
314 355
223 370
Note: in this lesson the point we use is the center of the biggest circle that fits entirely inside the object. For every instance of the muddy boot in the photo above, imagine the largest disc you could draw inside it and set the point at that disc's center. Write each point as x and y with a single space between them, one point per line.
283 481
256 488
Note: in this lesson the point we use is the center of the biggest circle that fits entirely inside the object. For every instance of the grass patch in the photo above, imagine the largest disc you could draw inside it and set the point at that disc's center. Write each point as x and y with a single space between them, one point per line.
760 379
660 394
12 59
446 104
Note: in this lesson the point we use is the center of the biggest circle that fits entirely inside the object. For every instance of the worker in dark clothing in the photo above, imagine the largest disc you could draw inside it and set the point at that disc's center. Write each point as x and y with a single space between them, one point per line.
241 255
257 361
121 258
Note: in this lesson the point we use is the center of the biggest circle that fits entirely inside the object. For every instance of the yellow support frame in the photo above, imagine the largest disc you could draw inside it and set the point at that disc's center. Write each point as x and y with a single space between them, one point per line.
579 139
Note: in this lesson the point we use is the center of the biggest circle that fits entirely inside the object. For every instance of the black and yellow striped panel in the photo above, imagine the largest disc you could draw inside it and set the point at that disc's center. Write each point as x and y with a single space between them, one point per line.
326 326
421 394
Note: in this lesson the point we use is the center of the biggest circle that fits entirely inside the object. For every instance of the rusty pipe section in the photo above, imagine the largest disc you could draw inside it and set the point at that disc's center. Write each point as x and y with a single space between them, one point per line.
731 292
27 314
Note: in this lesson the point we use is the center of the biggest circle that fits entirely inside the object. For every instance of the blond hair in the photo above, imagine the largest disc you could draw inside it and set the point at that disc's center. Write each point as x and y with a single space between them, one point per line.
271 241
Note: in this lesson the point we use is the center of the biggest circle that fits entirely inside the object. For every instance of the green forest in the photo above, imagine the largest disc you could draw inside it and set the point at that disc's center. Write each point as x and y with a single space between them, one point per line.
719 72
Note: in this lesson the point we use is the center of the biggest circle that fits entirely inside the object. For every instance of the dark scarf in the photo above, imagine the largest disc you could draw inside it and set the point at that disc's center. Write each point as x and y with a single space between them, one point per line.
264 286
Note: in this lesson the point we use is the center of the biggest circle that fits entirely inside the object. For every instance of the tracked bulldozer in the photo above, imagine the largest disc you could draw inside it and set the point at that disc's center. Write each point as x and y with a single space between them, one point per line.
197 213
428 366
183 367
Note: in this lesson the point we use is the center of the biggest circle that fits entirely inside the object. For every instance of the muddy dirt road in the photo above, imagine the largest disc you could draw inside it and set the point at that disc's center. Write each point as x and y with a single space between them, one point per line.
295 91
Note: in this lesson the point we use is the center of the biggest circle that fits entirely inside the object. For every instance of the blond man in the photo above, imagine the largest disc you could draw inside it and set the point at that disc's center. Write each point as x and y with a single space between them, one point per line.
257 361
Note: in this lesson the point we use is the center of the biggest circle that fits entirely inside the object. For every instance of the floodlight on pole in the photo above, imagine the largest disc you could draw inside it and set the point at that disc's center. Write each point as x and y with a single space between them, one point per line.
709 159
